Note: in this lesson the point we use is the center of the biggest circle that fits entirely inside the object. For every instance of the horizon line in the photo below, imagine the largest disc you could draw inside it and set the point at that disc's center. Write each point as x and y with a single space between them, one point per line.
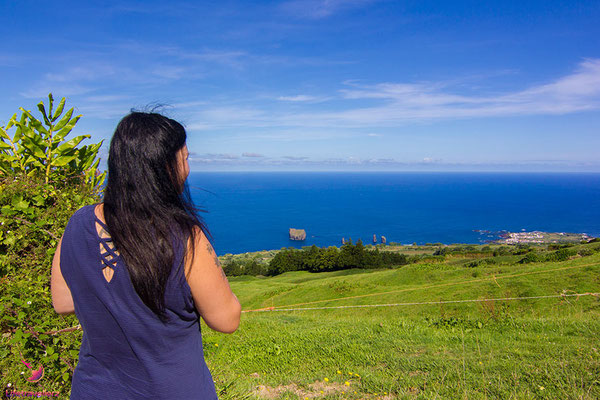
405 171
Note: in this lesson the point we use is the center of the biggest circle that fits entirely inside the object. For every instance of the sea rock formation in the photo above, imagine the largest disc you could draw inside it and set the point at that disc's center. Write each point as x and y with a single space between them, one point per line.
374 238
297 234
383 240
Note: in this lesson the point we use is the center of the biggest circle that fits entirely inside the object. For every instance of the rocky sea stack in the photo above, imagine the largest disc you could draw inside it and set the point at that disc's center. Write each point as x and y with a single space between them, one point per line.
297 234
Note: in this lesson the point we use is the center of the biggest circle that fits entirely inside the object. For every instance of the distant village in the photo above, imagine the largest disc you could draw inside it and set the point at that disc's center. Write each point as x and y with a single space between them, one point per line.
542 237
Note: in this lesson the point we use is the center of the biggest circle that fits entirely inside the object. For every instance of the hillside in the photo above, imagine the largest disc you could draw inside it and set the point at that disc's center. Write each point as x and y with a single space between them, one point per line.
527 348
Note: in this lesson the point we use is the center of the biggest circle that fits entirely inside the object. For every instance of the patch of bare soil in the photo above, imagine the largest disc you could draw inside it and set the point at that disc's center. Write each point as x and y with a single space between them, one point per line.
317 389
314 390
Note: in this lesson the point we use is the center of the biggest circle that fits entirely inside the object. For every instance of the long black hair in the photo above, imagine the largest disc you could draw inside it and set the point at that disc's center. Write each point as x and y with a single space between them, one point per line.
147 211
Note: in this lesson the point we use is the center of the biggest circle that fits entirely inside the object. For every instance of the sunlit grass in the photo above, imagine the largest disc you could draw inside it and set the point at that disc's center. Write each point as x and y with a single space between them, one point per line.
545 348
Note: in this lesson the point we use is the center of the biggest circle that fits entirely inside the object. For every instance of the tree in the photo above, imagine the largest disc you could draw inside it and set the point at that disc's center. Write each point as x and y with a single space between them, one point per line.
329 259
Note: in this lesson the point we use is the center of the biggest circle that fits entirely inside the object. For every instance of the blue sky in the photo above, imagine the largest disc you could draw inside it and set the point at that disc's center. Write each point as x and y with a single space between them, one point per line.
324 85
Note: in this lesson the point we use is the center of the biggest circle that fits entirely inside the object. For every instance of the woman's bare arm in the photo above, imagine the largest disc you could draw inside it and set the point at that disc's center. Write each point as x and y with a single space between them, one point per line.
214 300
62 301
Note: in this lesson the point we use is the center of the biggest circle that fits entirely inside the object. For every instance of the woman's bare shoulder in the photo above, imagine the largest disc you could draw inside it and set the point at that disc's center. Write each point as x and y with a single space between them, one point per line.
213 297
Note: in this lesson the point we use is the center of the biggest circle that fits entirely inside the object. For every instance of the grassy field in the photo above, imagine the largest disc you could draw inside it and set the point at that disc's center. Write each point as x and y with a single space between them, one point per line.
520 349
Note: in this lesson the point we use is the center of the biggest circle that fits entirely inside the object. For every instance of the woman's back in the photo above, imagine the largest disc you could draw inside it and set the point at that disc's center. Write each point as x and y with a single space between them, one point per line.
126 351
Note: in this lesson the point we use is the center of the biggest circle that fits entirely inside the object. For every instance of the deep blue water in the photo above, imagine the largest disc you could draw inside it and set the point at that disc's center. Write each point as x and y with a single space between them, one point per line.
253 211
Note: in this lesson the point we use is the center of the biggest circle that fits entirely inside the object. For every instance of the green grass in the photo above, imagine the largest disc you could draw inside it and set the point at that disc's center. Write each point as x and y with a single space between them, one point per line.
545 348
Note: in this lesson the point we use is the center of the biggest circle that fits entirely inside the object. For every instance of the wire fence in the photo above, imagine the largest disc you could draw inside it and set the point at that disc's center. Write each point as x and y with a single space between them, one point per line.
493 278
426 302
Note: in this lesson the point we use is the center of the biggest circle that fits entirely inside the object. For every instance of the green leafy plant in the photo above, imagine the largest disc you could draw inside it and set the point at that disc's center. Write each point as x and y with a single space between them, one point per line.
39 147
44 179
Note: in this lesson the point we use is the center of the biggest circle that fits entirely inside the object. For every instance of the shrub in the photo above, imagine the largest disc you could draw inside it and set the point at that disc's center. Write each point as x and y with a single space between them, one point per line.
44 180
585 252
561 255
474 264
441 251
531 257
557 246
232 268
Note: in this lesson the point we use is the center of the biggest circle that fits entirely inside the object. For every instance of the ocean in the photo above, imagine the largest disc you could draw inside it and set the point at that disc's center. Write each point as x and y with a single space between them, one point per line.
254 211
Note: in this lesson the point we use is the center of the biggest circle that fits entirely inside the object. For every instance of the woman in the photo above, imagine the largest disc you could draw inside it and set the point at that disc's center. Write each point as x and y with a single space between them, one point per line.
139 271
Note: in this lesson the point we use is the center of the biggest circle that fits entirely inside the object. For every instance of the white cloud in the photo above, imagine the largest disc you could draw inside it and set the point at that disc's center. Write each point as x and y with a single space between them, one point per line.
302 98
217 117
316 9
391 164
295 158
396 104
138 65
179 8
213 158
578 91
190 104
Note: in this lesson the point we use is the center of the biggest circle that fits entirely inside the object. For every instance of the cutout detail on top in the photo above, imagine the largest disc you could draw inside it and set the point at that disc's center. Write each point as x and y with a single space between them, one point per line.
108 252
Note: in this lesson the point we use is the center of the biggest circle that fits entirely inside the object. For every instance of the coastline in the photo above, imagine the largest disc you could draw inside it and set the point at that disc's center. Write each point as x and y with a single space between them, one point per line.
535 238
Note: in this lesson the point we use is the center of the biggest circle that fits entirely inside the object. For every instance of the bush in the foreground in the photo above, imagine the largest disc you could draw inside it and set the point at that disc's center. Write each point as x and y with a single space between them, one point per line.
43 178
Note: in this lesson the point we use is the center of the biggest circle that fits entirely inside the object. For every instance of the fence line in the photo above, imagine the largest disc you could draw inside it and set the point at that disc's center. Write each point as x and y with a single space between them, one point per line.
492 278
425 302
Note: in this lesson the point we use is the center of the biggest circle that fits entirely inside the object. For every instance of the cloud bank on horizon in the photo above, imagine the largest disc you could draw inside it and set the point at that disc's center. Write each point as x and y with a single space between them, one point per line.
325 84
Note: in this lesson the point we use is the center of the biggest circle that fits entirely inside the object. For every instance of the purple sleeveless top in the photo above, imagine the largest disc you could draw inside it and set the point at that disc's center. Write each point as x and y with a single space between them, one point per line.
126 351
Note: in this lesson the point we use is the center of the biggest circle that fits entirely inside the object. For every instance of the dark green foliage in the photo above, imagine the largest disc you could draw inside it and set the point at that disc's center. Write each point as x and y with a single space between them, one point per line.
441 251
466 250
246 267
531 257
353 256
585 252
561 255
286 260
557 246
501 251
521 249
480 262
232 268
315 259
